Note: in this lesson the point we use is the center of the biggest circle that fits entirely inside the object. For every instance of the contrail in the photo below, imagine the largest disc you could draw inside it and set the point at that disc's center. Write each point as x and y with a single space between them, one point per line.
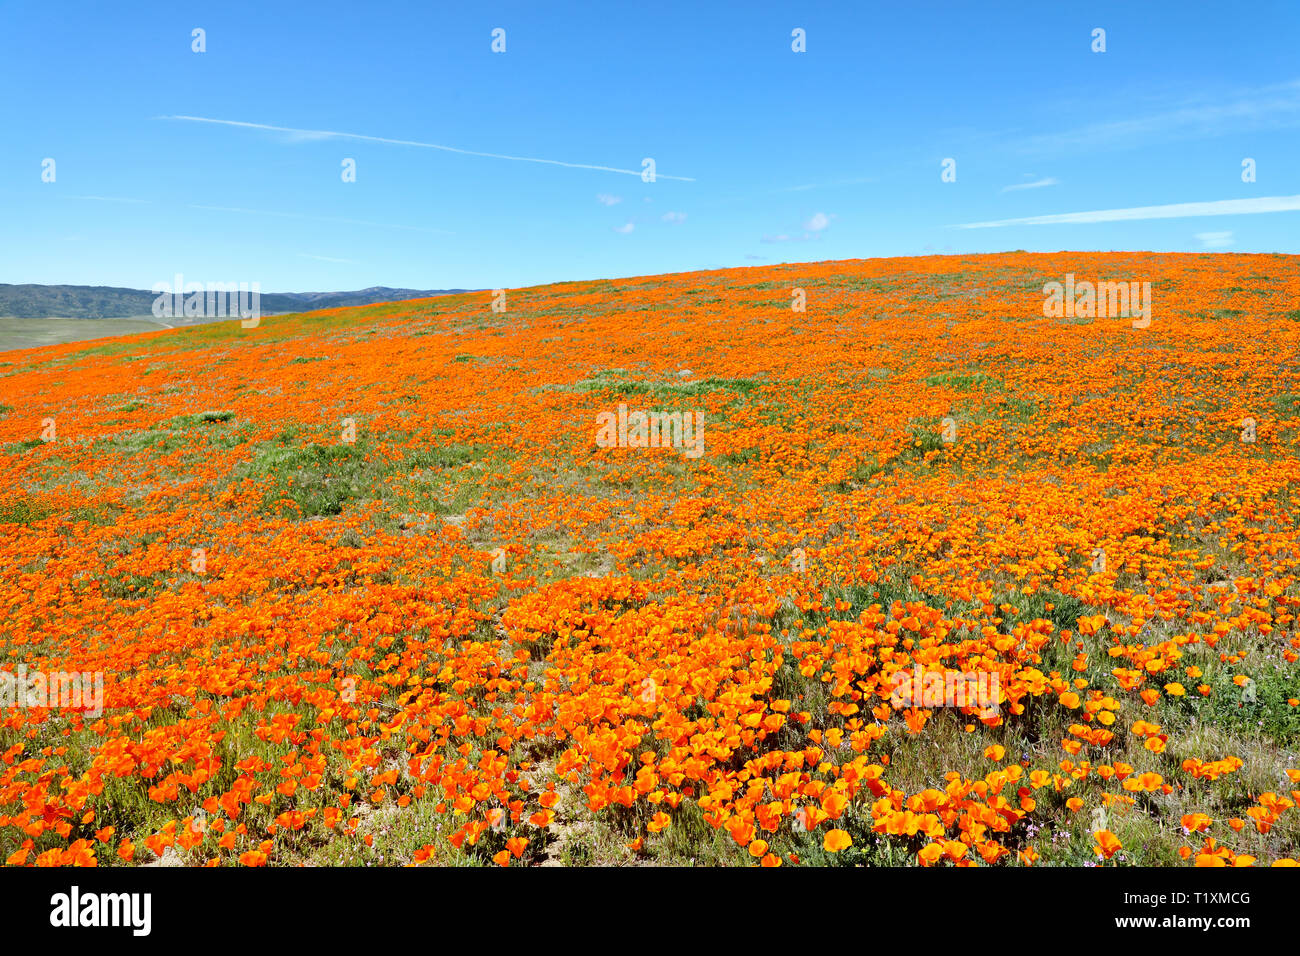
325 134
1219 207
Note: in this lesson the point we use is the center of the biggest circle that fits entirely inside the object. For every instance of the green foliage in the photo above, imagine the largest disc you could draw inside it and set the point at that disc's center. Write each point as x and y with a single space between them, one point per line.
313 479
1261 708
201 418
616 382
963 382
24 511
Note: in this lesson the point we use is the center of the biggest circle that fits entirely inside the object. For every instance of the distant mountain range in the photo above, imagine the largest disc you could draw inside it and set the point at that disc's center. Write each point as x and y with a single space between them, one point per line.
107 302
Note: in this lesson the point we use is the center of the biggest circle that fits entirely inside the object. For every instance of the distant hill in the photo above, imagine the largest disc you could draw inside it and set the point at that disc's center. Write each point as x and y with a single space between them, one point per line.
108 302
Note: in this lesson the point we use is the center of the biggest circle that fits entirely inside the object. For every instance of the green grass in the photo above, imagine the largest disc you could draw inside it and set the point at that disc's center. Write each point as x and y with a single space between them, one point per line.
964 382
1287 404
212 429
314 479
18 447
200 418
617 382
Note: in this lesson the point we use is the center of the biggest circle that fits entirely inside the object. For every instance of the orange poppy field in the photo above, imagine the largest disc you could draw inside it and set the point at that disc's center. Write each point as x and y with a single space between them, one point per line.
365 588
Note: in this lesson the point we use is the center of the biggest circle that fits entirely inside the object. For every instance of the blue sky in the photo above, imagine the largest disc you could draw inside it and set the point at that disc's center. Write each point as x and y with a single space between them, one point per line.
834 153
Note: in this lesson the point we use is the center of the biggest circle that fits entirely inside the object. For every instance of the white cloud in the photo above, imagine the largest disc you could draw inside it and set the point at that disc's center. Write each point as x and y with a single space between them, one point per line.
330 134
625 228
1215 240
812 230
676 218
605 199
818 222
1218 207
1036 184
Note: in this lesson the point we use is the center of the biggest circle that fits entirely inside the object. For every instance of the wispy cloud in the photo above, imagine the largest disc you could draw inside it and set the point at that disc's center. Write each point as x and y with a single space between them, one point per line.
838 182
676 218
112 199
625 228
336 134
1035 184
1219 207
298 215
1273 106
605 199
308 255
1215 240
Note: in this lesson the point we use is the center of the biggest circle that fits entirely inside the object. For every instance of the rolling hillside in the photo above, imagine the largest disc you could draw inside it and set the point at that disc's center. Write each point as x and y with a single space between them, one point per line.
660 570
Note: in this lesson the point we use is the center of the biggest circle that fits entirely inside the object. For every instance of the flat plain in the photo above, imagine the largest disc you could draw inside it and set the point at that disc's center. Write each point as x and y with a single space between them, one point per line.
22 333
